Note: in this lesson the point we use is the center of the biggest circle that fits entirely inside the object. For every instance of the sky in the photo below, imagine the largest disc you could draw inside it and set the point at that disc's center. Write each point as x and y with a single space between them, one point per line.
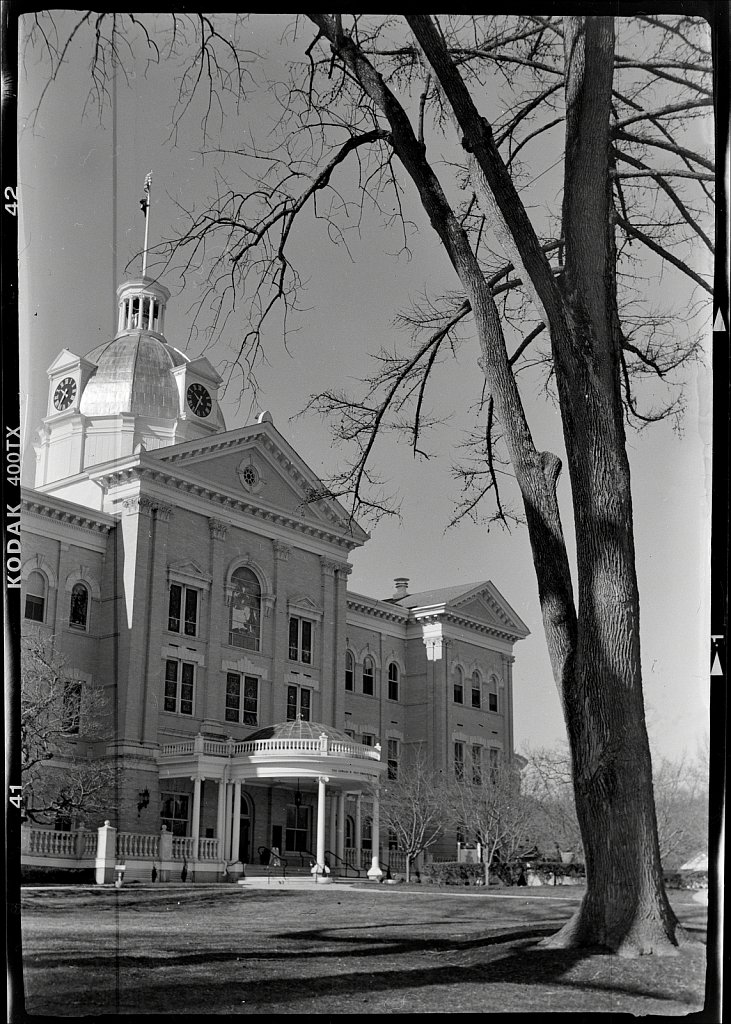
76 188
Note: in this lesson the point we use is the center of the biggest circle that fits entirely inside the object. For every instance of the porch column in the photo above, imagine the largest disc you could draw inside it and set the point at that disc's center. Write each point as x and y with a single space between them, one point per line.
332 836
358 827
374 871
221 819
236 821
227 818
196 822
340 846
321 796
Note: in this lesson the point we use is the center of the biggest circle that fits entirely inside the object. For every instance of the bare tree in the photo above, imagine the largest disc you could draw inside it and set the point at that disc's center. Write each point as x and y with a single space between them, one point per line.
487 802
61 719
634 181
546 781
414 806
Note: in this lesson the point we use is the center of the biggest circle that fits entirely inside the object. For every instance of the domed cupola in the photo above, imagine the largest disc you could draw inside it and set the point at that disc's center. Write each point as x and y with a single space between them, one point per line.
130 394
133 372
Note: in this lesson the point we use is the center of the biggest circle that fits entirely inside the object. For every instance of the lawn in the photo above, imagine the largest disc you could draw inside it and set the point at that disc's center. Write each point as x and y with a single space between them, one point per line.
179 950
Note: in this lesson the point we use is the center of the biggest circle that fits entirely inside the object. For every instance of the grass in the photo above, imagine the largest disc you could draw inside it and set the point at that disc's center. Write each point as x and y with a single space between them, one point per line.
223 950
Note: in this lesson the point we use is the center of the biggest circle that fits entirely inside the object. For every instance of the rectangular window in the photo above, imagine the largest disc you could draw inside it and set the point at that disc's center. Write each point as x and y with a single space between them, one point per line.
392 839
494 755
476 694
368 739
299 703
34 607
179 687
183 609
392 758
297 832
71 710
458 691
300 640
476 764
174 813
349 674
459 759
368 677
233 698
492 701
393 682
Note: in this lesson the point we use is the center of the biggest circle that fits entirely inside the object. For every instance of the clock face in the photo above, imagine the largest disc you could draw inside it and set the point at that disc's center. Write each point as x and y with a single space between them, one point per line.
65 393
199 400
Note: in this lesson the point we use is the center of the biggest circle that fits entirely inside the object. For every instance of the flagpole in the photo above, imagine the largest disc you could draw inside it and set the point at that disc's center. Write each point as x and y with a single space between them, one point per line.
148 185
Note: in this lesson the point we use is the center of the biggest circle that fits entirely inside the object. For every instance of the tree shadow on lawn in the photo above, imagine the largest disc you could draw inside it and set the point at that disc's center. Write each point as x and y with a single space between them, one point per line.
521 966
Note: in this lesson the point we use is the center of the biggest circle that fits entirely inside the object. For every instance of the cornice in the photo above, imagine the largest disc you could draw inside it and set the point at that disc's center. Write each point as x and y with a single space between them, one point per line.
70 515
233 505
378 609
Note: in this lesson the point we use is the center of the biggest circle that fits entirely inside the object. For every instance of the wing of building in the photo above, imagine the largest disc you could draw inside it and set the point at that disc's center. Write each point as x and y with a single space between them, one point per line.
196 578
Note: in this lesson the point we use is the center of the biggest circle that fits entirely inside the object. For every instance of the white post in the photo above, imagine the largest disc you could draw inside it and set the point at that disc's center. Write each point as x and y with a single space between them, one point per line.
106 853
358 830
374 871
340 845
148 184
221 819
321 796
196 823
227 819
237 821
332 835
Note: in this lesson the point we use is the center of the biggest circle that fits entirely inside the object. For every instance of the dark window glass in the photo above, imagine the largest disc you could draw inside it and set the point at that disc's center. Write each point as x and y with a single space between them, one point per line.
349 676
459 759
35 600
305 704
368 677
171 685
306 642
79 606
176 594
297 831
393 682
476 691
251 699
492 698
186 689
393 758
191 611
71 711
293 639
174 813
476 764
458 688
233 696
245 619
291 703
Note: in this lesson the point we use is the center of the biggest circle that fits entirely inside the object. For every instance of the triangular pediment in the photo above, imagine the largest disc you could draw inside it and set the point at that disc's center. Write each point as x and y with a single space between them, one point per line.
187 571
65 360
487 605
256 464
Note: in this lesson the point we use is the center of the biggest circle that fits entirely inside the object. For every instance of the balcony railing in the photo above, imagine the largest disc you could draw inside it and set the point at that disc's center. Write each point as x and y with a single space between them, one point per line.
323 745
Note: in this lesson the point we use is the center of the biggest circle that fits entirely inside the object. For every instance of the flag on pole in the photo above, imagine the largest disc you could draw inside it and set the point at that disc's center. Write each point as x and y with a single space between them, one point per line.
144 203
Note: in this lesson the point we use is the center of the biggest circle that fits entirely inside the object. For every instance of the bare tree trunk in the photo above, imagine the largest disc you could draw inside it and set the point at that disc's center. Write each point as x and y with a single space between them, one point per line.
625 907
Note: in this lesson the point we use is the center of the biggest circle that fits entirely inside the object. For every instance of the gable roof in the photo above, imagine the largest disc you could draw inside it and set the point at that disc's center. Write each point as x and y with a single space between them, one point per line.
468 602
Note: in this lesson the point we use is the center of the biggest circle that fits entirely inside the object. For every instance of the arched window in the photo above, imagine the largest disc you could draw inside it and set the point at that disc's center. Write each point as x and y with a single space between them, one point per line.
79 611
476 690
349 832
35 597
349 671
492 695
393 681
458 686
245 616
369 675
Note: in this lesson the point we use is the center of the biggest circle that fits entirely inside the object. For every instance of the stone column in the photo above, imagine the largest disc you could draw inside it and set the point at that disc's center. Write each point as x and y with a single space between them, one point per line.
358 830
196 822
227 819
217 621
236 829
374 871
332 835
340 845
221 819
321 798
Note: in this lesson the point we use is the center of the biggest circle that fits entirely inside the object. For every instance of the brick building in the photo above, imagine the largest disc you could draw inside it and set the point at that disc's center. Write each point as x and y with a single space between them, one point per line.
197 576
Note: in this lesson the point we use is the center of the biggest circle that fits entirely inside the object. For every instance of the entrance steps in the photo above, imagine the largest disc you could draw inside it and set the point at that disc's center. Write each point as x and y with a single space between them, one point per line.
259 877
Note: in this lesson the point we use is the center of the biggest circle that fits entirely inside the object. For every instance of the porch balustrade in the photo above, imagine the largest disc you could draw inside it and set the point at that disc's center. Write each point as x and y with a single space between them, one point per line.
276 745
137 845
46 842
208 849
182 847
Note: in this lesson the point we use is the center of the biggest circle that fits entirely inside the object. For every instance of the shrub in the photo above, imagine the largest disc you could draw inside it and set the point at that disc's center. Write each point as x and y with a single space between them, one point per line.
687 880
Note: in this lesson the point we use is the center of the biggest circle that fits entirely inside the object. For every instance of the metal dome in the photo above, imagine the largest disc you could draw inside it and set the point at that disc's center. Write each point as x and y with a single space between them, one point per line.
300 730
133 375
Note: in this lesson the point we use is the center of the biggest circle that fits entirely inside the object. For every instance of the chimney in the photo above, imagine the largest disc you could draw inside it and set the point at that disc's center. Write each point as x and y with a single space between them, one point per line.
401 585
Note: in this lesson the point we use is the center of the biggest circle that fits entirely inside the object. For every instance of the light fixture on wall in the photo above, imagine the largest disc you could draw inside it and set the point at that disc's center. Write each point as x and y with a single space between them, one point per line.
144 801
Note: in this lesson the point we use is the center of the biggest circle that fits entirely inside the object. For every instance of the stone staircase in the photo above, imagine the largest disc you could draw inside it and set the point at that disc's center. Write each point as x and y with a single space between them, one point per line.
259 877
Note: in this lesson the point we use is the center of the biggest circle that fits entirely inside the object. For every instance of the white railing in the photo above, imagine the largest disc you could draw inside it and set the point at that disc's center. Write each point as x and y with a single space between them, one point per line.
137 845
208 849
47 842
182 847
277 745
